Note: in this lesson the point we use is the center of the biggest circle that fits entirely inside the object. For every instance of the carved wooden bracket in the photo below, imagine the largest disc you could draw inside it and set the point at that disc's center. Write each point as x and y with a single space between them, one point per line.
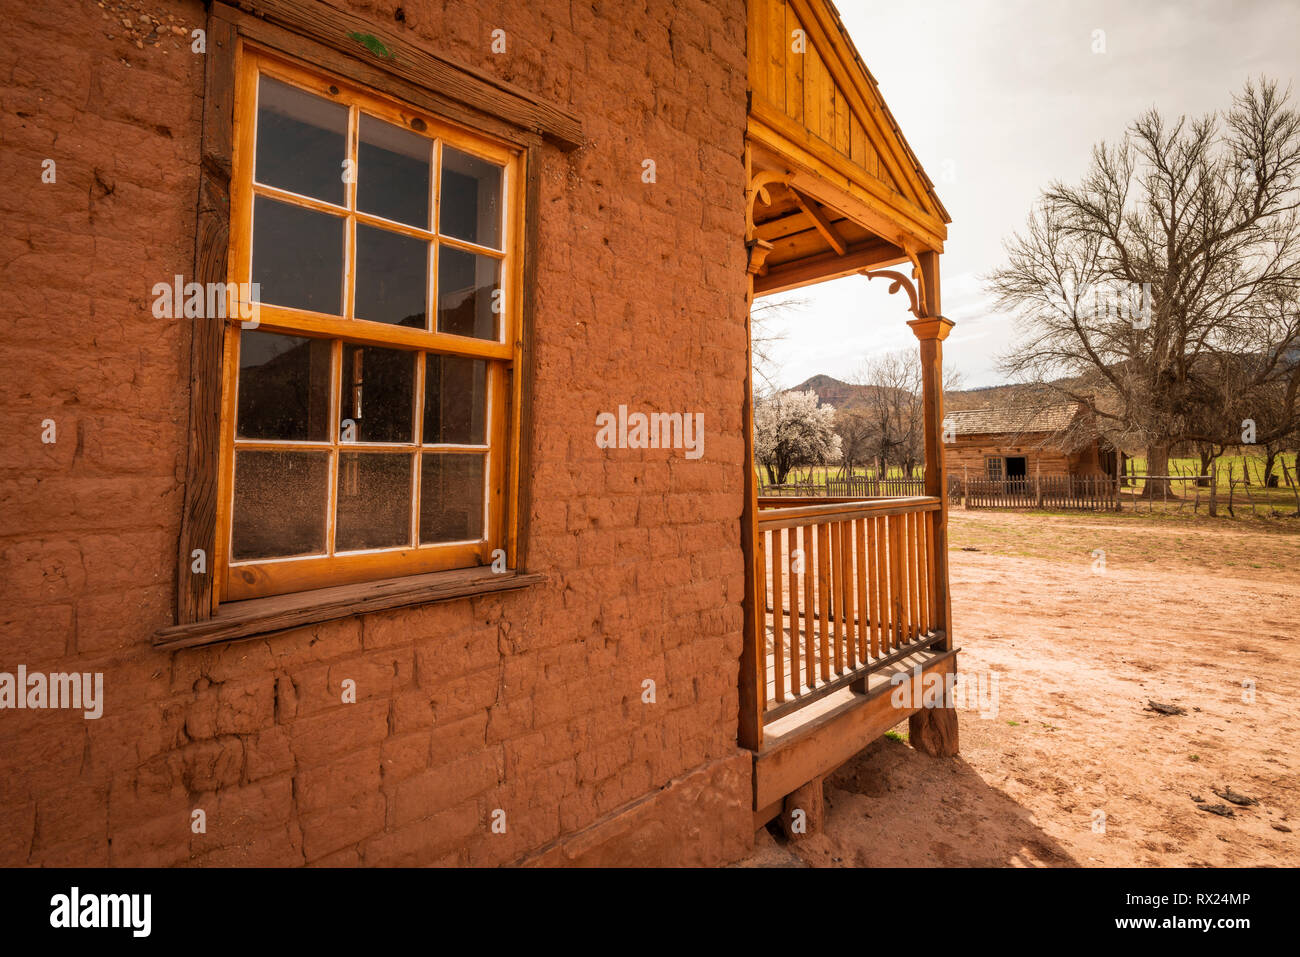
758 250
758 190
899 282
917 274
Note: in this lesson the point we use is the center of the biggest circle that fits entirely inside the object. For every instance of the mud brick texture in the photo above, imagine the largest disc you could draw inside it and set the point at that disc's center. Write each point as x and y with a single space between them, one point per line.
529 703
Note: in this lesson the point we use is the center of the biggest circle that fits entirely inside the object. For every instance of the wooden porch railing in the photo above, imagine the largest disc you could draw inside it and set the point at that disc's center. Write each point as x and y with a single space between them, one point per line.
849 586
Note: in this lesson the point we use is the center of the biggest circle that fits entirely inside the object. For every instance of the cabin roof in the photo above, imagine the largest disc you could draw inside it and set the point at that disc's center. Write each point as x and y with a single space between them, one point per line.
1015 420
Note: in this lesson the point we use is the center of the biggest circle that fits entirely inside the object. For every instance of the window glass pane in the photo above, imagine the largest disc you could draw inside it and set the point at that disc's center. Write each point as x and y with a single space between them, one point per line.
469 204
393 173
280 503
377 393
374 501
466 283
392 277
297 256
455 399
301 141
451 497
284 387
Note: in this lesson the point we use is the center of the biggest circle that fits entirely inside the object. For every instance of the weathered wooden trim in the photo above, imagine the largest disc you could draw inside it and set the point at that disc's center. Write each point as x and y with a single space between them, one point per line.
363 40
525 368
207 334
264 616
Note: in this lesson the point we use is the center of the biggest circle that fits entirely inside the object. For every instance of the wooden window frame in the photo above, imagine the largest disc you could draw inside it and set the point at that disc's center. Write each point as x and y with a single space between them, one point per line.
1002 467
323 40
262 578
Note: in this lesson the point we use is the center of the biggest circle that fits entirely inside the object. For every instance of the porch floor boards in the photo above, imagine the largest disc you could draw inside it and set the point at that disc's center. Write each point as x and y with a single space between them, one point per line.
775 731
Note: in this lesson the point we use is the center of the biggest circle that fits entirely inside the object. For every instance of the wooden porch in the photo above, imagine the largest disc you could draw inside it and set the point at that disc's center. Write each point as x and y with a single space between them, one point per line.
846 599
851 596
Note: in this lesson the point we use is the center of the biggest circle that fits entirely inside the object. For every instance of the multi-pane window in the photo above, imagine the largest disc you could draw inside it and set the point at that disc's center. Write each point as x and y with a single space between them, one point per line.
993 467
365 412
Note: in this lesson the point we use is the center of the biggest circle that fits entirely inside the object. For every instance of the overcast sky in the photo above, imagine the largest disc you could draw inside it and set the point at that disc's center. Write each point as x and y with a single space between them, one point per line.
999 97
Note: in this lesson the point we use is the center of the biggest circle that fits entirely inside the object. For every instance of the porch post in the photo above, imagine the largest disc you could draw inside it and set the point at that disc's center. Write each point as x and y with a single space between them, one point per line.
931 330
753 653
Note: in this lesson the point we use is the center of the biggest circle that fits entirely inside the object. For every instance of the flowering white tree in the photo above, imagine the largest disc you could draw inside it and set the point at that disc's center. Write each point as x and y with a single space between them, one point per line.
791 430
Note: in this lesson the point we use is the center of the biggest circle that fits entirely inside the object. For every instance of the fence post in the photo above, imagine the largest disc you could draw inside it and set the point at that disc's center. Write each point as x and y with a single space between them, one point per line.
1119 471
1214 489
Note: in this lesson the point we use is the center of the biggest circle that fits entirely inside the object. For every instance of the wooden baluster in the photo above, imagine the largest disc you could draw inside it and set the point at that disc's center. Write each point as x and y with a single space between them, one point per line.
778 616
793 575
761 602
824 596
809 607
846 589
895 581
863 624
837 599
915 565
909 574
886 579
873 582
927 583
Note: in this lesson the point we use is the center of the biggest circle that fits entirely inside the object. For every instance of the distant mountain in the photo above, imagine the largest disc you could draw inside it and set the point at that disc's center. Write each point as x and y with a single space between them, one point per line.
845 395
841 395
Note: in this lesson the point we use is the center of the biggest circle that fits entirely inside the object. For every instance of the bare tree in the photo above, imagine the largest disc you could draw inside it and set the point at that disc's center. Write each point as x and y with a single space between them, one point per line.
889 428
1169 273
765 339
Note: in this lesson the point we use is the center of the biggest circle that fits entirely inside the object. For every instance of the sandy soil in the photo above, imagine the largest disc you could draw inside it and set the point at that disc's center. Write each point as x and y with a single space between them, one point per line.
1184 612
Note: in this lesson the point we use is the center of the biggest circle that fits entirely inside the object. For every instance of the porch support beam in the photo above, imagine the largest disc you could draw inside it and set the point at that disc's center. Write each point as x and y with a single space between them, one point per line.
871 254
821 222
753 661
930 331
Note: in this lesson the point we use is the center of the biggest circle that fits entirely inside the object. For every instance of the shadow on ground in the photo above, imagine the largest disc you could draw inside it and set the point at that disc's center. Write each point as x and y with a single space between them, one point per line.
892 806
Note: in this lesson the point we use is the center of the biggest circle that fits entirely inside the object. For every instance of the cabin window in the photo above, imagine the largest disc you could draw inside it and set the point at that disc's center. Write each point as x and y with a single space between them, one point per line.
993 468
365 403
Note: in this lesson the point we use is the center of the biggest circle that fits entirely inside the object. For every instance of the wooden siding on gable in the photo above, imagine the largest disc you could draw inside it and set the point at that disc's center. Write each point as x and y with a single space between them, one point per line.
802 86
809 89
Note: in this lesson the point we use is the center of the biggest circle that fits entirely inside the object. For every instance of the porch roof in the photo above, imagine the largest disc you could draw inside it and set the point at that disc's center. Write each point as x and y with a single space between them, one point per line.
841 189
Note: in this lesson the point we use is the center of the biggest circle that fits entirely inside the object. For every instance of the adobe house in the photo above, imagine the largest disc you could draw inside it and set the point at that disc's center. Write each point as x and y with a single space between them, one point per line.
335 556
1019 441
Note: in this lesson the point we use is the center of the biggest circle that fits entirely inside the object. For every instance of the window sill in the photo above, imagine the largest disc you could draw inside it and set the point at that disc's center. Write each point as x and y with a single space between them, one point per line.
265 616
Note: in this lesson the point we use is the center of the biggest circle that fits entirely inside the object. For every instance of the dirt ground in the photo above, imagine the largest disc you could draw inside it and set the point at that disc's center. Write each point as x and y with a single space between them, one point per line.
1186 611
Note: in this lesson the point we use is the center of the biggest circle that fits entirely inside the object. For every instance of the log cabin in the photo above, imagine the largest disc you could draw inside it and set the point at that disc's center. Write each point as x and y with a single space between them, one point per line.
361 584
1015 442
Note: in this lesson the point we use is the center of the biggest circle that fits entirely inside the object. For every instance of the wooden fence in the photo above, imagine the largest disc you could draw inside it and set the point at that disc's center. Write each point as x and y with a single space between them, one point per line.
861 486
1091 493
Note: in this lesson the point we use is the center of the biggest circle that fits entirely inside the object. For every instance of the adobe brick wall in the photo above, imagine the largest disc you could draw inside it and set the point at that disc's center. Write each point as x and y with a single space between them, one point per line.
528 702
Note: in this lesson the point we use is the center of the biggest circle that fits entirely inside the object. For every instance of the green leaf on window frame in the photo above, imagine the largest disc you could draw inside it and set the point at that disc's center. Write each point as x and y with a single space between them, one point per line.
372 44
